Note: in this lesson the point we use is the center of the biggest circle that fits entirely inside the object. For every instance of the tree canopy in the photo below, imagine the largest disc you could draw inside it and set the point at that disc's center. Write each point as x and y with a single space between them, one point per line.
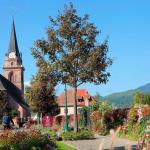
41 97
140 98
71 53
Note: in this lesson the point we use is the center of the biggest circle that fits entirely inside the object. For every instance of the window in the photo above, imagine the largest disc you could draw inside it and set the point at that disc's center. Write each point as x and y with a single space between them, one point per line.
80 99
15 79
12 64
10 76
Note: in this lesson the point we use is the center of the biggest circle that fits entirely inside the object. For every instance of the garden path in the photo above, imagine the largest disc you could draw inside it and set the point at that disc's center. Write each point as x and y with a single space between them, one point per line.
119 143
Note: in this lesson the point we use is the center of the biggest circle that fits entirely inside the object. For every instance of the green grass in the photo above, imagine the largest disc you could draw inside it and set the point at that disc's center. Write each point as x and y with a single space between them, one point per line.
62 146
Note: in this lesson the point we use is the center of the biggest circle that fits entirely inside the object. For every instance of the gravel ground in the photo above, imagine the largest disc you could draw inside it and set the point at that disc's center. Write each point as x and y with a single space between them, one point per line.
119 144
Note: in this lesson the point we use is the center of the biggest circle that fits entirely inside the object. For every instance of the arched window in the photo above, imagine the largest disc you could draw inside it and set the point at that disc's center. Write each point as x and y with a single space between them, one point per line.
10 76
12 64
15 79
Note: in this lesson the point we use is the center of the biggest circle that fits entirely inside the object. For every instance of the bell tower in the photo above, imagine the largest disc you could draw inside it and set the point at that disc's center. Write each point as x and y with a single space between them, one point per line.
13 69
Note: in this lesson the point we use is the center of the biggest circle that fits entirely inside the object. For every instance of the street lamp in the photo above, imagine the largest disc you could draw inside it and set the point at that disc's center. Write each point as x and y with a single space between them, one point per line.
66 110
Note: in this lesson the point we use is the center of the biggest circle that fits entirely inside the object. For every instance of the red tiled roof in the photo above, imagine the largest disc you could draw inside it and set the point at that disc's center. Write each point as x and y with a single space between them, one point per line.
82 94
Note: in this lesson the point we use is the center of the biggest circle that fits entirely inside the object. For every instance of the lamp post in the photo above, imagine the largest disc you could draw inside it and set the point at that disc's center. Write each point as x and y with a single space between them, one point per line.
66 110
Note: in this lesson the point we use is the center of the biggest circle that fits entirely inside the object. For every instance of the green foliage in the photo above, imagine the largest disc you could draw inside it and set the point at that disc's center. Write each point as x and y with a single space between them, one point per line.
137 99
140 98
40 96
48 131
105 107
27 93
95 106
24 140
146 99
101 106
84 116
124 99
81 135
62 146
121 100
98 110
136 131
53 135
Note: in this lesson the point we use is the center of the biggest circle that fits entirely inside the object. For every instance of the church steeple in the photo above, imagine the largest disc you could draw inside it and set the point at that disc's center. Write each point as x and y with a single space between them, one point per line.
13 67
13 45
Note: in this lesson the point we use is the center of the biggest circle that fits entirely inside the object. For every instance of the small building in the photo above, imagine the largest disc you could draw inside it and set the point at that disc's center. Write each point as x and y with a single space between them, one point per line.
83 99
12 80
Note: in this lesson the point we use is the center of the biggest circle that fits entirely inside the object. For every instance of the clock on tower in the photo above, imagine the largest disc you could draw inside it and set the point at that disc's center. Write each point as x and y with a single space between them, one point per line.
13 67
12 55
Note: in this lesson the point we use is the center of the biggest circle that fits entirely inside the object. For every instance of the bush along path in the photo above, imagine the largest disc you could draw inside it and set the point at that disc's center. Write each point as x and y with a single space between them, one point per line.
25 140
31 139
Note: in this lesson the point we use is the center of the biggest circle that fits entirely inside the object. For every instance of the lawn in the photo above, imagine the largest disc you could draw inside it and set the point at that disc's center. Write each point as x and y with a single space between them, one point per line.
62 146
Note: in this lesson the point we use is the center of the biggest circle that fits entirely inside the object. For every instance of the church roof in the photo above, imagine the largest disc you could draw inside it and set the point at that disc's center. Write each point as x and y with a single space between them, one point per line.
13 45
2 88
14 91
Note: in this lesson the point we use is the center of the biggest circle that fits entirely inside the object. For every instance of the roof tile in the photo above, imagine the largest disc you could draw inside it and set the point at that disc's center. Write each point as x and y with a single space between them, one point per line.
81 94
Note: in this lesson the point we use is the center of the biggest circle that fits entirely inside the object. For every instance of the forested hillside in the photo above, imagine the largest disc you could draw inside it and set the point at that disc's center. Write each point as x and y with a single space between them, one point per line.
124 99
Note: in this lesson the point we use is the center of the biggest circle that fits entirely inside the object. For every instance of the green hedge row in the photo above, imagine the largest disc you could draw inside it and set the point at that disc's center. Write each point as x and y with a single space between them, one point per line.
81 135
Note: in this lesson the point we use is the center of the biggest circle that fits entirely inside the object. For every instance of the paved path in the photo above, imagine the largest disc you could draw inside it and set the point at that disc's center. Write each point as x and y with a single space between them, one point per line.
94 144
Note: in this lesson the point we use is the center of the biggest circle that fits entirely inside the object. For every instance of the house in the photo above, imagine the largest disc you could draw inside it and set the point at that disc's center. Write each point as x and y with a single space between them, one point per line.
12 80
83 99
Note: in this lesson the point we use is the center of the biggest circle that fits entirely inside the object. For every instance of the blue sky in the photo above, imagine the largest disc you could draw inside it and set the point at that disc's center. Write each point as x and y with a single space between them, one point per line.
126 22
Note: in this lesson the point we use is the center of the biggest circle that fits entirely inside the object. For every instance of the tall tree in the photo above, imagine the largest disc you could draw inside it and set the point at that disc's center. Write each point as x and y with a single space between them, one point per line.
71 53
137 99
140 98
41 97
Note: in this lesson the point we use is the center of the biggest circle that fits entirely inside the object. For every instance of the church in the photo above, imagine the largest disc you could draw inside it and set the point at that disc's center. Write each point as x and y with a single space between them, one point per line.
12 80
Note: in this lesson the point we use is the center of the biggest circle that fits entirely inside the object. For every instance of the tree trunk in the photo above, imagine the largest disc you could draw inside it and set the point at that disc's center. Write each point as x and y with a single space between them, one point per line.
75 109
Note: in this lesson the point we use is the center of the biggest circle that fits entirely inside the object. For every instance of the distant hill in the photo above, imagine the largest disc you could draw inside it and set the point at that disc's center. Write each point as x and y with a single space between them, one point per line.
124 99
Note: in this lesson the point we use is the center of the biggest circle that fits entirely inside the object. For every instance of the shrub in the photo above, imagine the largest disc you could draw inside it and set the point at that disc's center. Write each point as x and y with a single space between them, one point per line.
136 131
98 110
96 127
84 120
115 118
59 120
95 116
81 135
96 121
49 131
23 140
133 116
53 135
101 106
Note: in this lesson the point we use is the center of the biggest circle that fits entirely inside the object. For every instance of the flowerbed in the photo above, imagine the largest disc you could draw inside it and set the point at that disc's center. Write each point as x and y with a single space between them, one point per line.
24 140
138 126
115 118
109 120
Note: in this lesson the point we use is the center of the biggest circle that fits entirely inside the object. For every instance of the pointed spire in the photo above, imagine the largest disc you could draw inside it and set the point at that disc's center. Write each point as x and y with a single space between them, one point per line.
13 45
